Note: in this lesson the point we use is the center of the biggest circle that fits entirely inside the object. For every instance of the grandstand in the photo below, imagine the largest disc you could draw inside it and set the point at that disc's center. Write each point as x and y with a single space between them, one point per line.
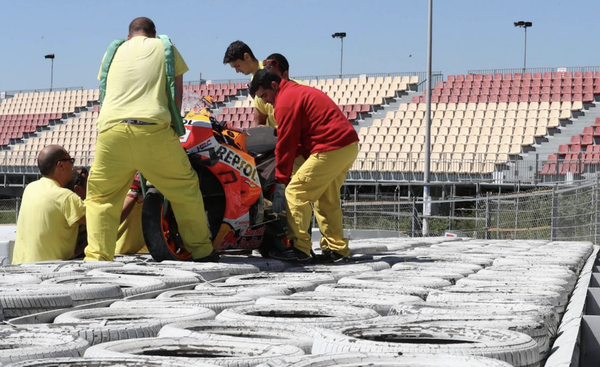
493 127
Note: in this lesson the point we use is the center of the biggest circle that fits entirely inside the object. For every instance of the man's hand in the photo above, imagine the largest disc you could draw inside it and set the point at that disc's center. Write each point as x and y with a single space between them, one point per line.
279 200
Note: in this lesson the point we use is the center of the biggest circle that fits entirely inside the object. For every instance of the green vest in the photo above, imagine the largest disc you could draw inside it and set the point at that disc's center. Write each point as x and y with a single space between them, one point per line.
176 120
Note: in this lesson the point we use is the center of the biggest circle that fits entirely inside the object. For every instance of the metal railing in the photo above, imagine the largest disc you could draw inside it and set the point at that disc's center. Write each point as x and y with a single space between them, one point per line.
11 93
535 70
559 213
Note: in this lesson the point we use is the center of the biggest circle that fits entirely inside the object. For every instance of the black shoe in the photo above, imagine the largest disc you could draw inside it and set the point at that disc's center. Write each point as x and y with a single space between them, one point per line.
212 258
330 257
292 254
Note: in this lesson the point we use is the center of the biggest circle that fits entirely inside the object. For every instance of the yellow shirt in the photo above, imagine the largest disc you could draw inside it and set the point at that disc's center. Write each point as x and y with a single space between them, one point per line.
136 84
47 226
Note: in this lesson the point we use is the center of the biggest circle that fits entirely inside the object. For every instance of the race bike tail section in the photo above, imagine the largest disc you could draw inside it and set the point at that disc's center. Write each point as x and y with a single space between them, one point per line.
231 184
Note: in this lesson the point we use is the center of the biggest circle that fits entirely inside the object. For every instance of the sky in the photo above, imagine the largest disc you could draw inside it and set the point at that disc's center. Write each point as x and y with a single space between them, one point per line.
383 36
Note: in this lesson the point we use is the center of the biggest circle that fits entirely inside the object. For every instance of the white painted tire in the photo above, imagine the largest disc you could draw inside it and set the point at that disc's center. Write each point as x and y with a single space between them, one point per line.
196 352
23 301
380 304
464 294
464 269
18 279
382 279
386 360
265 277
95 362
315 315
101 325
382 288
239 265
130 286
206 271
448 275
21 346
530 325
214 303
171 277
253 291
271 333
335 271
518 349
546 314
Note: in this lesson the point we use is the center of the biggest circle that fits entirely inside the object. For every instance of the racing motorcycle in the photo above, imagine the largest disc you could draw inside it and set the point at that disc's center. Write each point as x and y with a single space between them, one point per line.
236 173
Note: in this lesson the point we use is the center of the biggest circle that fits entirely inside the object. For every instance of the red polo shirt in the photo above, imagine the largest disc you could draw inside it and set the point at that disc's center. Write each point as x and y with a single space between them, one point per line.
308 122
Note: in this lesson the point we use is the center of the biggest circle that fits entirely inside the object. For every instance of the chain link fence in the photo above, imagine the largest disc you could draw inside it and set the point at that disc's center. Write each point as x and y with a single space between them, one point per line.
560 213
9 210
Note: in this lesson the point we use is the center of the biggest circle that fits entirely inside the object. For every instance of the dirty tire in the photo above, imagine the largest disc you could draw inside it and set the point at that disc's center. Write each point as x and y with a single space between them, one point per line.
17 302
196 352
271 333
518 349
95 362
387 360
214 303
308 314
21 346
130 286
171 277
246 292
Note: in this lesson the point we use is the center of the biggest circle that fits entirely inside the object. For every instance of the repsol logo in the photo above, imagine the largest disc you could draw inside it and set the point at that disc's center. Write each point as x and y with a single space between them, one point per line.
234 160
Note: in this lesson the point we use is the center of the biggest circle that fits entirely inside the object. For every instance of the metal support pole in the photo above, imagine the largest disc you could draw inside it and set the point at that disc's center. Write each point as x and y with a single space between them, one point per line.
355 207
426 193
516 219
488 216
525 52
342 56
553 219
51 74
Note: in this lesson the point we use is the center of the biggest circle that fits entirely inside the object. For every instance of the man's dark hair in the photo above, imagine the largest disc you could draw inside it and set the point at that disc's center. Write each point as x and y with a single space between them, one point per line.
236 51
142 25
263 78
282 62
48 158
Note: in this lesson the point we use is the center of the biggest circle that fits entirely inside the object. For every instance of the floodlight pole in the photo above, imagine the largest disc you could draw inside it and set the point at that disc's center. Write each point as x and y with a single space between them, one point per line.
426 193
524 25
341 36
51 57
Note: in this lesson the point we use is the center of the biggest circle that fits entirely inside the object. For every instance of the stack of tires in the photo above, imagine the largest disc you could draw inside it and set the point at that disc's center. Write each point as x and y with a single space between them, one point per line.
397 302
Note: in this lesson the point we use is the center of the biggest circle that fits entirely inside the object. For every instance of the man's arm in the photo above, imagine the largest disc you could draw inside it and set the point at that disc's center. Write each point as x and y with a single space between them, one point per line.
179 91
259 117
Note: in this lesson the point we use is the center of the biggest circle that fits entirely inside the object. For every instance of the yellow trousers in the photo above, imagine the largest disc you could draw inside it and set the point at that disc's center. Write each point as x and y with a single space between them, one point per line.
318 181
130 238
154 150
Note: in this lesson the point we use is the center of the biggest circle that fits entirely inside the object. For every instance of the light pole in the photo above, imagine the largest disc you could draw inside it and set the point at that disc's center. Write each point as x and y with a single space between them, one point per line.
51 57
426 173
341 36
524 25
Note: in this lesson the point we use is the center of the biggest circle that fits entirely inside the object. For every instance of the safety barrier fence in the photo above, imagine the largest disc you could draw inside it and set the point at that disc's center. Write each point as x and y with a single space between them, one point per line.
558 213
571 69
379 167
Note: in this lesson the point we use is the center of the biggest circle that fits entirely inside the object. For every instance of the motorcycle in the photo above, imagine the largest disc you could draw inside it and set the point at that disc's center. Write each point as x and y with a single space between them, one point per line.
236 173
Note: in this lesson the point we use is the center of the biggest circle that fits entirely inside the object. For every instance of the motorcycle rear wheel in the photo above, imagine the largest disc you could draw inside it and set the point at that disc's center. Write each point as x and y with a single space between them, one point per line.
161 233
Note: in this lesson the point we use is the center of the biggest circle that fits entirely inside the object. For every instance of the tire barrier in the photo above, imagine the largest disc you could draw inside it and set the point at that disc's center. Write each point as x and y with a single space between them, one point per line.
130 286
380 304
337 272
464 269
382 279
21 301
382 288
21 346
195 352
311 280
214 303
95 362
254 290
171 277
207 271
271 333
387 360
239 265
100 325
546 314
518 349
299 314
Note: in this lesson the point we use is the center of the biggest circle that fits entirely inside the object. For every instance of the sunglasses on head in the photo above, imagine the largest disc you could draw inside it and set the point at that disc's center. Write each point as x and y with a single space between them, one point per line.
270 63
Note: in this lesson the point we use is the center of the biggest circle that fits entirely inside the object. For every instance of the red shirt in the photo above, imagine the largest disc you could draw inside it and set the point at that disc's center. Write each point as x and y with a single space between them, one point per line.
308 122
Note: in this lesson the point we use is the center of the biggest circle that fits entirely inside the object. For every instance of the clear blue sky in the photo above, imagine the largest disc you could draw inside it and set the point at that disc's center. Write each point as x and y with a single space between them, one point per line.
383 35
